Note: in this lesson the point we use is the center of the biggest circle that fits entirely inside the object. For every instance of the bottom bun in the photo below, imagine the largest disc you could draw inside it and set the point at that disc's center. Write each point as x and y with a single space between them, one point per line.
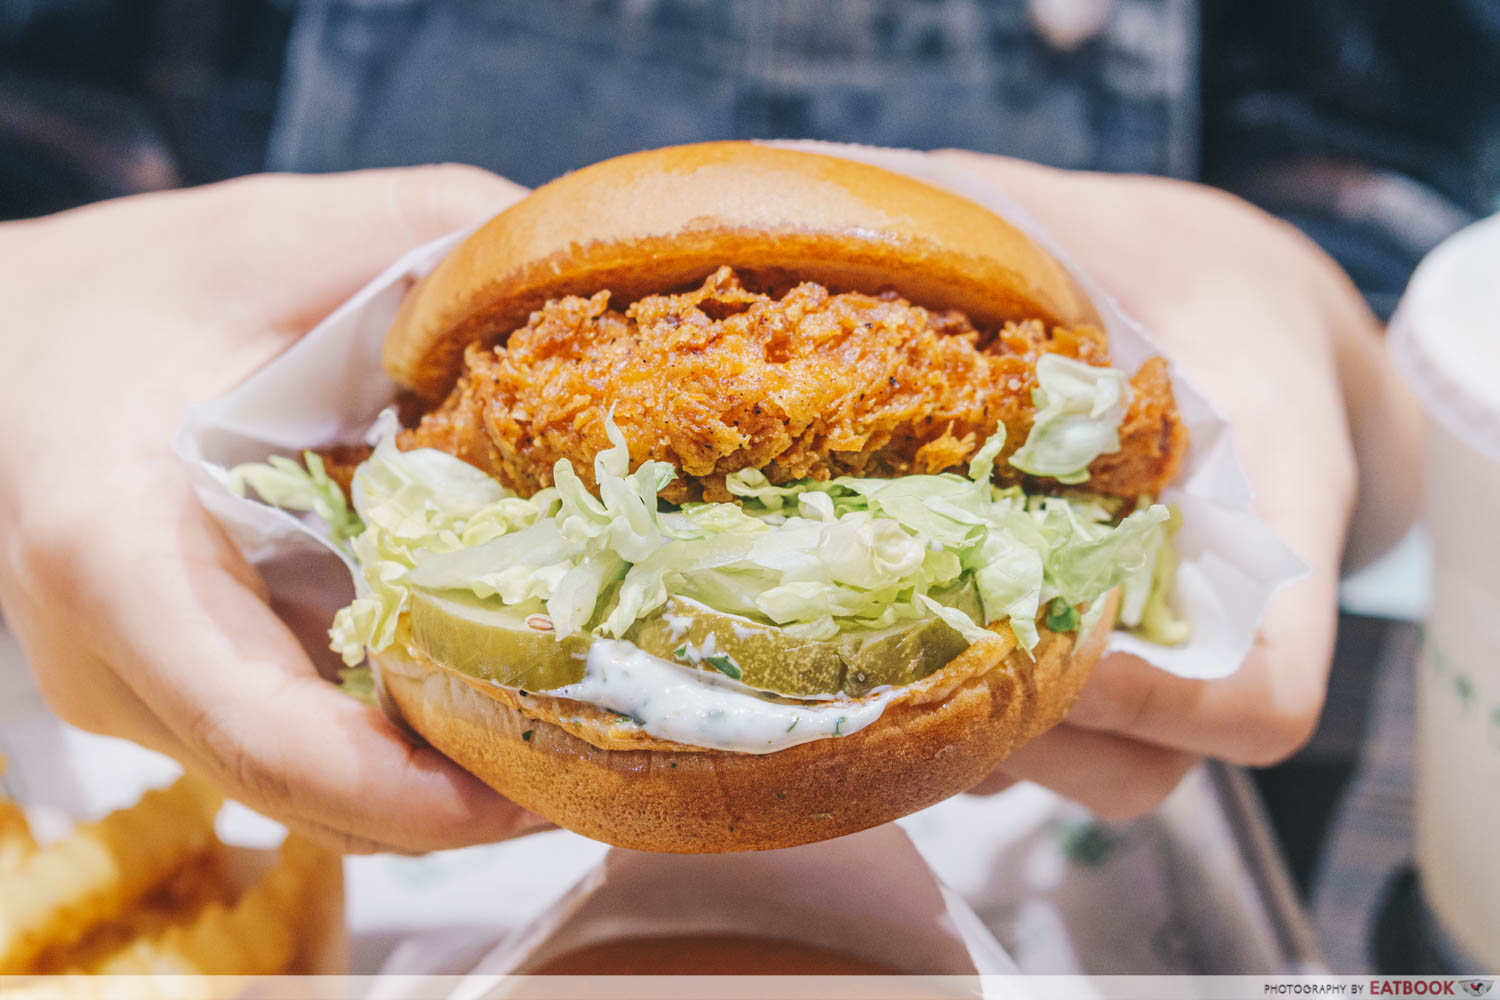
701 801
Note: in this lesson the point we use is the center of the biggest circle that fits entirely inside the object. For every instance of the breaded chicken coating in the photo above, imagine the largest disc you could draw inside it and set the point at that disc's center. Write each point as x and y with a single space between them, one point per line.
799 383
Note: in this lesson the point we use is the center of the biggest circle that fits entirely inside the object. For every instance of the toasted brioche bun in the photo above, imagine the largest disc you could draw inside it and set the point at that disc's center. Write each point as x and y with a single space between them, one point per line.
656 222
661 220
698 801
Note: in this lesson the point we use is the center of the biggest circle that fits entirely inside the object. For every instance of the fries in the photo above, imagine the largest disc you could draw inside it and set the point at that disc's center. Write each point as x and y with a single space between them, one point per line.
149 900
211 954
257 935
200 884
59 891
16 841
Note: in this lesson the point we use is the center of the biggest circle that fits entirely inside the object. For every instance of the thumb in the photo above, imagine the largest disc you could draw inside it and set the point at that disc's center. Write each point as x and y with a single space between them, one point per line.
277 252
320 238
233 694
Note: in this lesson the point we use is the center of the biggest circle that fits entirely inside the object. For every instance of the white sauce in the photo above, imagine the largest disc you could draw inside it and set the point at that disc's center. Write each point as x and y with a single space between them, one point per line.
744 631
702 709
677 625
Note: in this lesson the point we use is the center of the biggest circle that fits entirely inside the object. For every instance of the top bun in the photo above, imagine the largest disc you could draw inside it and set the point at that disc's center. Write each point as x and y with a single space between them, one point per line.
664 219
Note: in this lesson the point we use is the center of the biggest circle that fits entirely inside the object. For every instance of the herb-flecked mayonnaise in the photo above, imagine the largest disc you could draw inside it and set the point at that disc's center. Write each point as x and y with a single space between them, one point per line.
700 708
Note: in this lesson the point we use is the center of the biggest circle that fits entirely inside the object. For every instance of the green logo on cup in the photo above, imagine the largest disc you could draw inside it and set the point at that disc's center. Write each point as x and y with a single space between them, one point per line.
1470 694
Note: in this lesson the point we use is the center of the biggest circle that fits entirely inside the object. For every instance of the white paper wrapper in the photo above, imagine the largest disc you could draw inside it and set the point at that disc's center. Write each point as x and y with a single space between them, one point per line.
869 895
330 386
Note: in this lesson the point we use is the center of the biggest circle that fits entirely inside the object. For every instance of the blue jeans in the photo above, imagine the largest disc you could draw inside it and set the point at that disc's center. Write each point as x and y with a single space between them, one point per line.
1244 95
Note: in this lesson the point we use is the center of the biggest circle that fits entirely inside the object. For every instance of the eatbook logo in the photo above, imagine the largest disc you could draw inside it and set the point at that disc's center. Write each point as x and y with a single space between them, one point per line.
1477 987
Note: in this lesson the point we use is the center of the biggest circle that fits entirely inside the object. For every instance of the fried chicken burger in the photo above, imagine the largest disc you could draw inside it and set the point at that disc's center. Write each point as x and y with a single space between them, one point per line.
747 497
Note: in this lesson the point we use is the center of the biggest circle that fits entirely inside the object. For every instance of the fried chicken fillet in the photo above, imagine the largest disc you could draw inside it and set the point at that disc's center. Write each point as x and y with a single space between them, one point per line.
794 381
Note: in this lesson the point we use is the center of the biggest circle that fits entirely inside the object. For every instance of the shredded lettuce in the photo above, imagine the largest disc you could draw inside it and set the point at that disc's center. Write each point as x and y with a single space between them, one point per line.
419 502
1062 616
1079 409
1157 621
359 684
283 483
814 558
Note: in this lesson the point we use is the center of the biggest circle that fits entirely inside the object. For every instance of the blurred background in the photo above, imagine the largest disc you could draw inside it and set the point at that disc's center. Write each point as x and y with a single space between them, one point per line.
1374 125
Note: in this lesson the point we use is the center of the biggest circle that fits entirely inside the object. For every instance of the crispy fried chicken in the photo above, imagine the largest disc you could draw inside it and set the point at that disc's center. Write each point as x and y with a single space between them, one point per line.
802 384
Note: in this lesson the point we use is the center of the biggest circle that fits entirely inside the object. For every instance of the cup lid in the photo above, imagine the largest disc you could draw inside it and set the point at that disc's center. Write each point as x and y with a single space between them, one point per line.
1445 335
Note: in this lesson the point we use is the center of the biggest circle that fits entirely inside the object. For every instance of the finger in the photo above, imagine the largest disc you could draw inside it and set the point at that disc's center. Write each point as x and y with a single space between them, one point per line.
86 693
229 680
1265 710
1269 707
367 220
79 685
1257 716
344 842
276 252
1116 778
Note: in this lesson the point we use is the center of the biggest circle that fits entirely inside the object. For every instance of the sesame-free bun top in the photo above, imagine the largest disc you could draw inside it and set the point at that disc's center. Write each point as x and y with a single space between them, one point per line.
664 219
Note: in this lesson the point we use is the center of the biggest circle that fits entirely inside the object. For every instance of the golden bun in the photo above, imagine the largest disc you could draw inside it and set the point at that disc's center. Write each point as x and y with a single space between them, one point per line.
656 222
700 801
664 219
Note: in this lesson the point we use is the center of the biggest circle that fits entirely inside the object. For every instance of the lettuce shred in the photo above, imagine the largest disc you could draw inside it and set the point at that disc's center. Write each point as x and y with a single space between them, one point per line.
814 558
1079 409
283 483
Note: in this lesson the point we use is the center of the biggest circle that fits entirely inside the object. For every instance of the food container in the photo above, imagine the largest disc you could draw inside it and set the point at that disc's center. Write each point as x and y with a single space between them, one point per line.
1446 338
868 897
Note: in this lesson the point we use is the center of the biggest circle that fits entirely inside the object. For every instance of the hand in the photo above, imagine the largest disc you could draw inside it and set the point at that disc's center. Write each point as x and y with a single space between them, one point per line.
1276 336
138 616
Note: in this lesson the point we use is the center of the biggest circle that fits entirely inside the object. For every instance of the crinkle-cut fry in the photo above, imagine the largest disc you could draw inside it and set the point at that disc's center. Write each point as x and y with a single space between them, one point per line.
16 841
200 883
256 936
65 888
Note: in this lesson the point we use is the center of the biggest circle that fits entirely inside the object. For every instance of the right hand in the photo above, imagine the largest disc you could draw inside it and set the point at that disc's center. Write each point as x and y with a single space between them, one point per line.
139 618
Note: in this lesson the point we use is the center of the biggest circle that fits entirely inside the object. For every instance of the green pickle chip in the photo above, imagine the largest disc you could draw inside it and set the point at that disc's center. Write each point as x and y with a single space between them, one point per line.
515 646
768 659
512 645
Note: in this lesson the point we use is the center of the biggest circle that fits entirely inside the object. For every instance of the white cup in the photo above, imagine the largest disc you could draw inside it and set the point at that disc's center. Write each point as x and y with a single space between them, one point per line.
1446 337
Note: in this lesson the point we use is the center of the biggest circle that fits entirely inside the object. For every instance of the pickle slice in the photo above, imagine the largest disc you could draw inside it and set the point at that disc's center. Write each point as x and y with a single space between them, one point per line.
898 655
511 645
515 646
755 654
766 658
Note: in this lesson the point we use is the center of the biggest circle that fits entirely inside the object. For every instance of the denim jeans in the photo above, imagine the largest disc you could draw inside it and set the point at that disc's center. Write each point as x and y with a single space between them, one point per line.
1316 111
531 89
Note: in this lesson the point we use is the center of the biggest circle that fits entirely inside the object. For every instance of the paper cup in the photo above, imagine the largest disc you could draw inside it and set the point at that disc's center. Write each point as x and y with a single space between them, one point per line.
1446 337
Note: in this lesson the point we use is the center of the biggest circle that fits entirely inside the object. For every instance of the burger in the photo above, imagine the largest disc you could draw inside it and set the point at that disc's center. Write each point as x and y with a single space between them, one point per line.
741 497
